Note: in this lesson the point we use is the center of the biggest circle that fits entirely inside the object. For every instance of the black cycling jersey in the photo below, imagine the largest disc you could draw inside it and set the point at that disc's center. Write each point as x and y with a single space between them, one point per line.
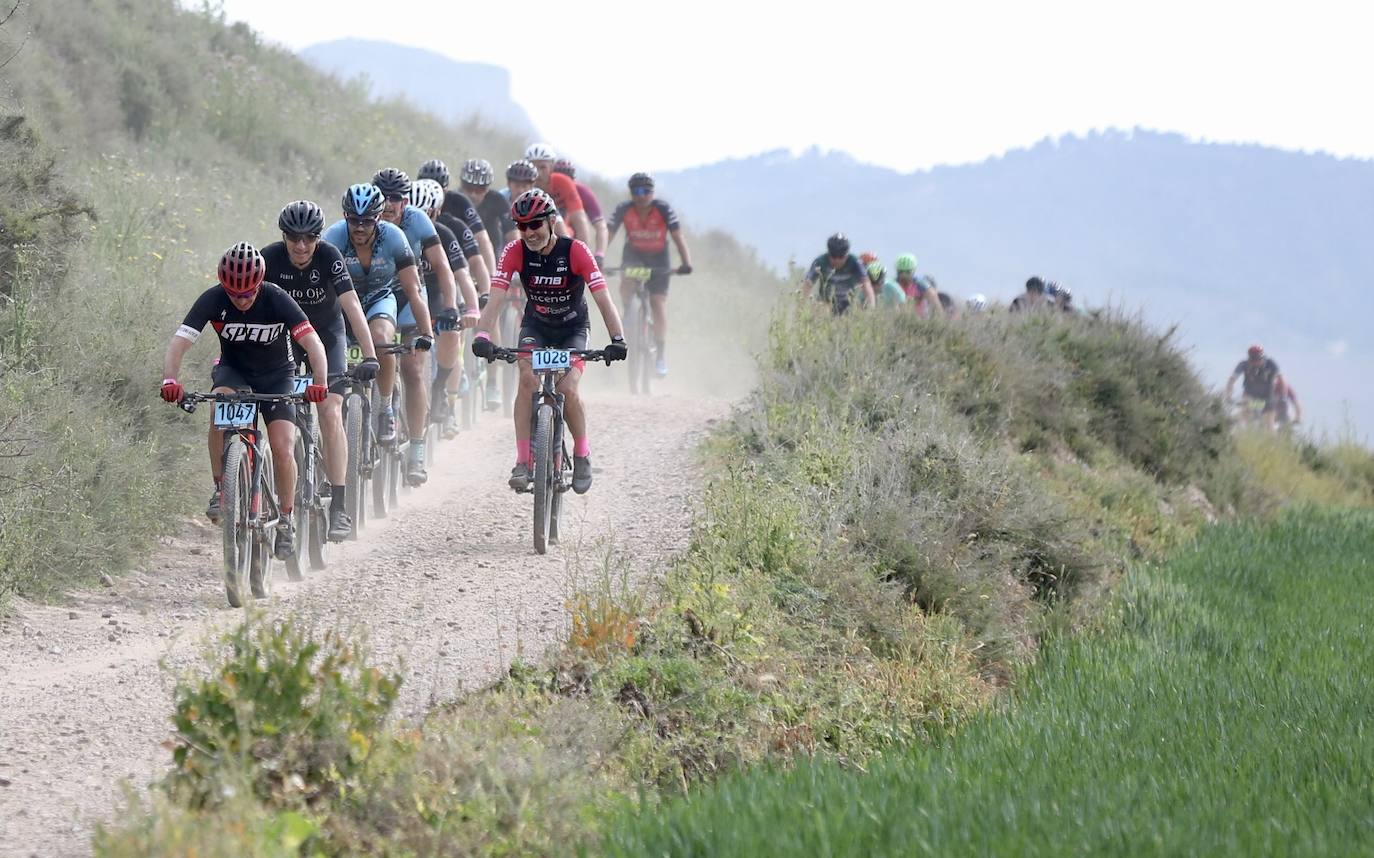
457 204
495 212
256 340
466 239
317 287
835 284
453 249
1259 378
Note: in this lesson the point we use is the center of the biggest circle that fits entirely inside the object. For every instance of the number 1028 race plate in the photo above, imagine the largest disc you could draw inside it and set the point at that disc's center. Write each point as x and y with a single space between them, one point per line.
550 359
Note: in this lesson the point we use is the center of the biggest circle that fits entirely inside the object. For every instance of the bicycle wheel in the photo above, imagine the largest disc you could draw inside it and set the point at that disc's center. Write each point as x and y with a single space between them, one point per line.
382 469
562 473
355 489
396 479
236 491
542 448
260 570
510 375
636 355
300 512
317 540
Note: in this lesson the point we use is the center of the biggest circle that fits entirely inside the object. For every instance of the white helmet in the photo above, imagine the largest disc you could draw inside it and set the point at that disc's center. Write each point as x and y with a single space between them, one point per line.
426 195
539 152
977 303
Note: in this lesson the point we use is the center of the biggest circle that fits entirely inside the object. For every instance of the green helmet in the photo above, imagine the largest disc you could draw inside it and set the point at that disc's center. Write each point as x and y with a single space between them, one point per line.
906 262
876 271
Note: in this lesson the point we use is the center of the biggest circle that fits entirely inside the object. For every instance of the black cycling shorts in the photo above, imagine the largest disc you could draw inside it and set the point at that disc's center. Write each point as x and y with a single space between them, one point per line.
280 381
335 348
537 336
658 281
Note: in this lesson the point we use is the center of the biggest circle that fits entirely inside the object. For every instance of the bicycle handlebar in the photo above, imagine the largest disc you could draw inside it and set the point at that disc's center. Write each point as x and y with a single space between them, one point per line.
512 355
189 400
651 269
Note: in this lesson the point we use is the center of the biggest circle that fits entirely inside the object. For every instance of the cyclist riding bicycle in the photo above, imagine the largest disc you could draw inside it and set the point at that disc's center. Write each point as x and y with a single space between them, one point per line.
934 303
256 323
649 223
835 275
424 244
1261 378
476 179
977 303
557 273
889 294
427 196
1033 298
592 206
379 259
562 190
905 266
313 273
520 177
1287 409
460 214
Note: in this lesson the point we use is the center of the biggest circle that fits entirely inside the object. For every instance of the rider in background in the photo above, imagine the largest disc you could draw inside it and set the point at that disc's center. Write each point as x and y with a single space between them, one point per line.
593 208
905 266
1261 379
1287 409
935 303
256 323
475 180
649 223
835 274
313 273
520 177
1032 298
890 295
1061 296
460 213
557 273
977 303
562 190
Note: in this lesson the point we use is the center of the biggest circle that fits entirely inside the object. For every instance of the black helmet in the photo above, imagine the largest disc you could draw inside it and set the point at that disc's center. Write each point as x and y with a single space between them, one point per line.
837 244
476 171
641 180
392 181
1035 284
521 171
301 218
436 170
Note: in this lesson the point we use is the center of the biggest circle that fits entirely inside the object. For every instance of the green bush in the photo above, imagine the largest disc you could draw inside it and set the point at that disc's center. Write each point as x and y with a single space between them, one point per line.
299 712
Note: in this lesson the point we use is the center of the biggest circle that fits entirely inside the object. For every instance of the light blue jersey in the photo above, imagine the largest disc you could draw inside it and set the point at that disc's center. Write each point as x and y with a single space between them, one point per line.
391 253
419 230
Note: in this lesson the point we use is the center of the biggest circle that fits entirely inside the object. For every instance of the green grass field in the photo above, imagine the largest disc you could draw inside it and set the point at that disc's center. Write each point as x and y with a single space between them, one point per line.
1223 708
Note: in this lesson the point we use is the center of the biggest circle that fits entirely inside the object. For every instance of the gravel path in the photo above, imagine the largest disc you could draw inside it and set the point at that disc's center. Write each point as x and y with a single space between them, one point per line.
450 584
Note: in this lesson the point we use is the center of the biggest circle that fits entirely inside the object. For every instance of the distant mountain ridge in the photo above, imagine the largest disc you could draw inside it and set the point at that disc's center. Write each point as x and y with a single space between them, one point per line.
1236 243
449 89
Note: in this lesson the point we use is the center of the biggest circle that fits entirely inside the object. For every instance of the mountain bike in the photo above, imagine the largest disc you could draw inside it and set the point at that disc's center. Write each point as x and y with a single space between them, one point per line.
388 480
549 448
311 513
639 325
508 324
364 454
249 511
476 372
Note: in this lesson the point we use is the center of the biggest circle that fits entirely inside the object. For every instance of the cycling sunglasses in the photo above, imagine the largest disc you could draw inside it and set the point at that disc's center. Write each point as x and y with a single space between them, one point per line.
394 198
300 237
534 224
357 222
641 192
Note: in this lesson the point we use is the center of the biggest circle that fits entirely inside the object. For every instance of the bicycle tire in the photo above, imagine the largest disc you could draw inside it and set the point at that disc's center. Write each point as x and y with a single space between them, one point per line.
476 390
260 570
382 469
543 476
396 479
355 482
562 469
317 540
299 511
235 504
635 357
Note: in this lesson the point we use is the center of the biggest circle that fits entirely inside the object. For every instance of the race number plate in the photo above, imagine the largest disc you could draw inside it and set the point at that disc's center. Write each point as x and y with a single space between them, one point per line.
543 360
299 384
355 354
235 415
639 273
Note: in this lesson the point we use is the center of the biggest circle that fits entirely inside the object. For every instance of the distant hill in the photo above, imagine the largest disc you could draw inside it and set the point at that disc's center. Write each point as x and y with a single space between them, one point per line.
447 88
1237 243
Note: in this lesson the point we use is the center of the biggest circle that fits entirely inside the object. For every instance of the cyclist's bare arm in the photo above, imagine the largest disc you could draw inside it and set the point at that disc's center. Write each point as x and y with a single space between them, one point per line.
319 361
603 237
176 350
932 298
488 253
868 293
467 290
1231 385
581 225
481 274
609 313
410 283
438 263
357 323
487 323
683 253
560 228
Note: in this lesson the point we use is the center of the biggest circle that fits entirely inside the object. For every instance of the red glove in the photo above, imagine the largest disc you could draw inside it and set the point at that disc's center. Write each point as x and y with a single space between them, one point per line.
172 390
315 392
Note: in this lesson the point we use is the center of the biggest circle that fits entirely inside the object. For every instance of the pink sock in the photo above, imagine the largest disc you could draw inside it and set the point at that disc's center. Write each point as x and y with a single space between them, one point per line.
582 447
522 452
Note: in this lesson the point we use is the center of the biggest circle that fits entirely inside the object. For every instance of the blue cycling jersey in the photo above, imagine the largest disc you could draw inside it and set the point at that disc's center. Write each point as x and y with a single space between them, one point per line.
391 254
419 230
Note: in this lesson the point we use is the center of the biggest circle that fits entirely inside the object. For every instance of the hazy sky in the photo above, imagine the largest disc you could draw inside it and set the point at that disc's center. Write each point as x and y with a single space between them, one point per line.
650 84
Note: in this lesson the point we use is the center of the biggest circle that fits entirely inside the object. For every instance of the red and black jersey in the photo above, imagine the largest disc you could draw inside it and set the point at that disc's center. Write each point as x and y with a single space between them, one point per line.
555 283
646 233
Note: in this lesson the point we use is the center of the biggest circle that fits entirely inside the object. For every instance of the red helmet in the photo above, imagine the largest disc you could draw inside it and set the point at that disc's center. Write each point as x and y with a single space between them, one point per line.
1256 351
532 205
241 270
868 257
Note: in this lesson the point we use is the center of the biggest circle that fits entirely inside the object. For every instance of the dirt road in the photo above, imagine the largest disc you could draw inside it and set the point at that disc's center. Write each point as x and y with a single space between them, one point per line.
449 583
